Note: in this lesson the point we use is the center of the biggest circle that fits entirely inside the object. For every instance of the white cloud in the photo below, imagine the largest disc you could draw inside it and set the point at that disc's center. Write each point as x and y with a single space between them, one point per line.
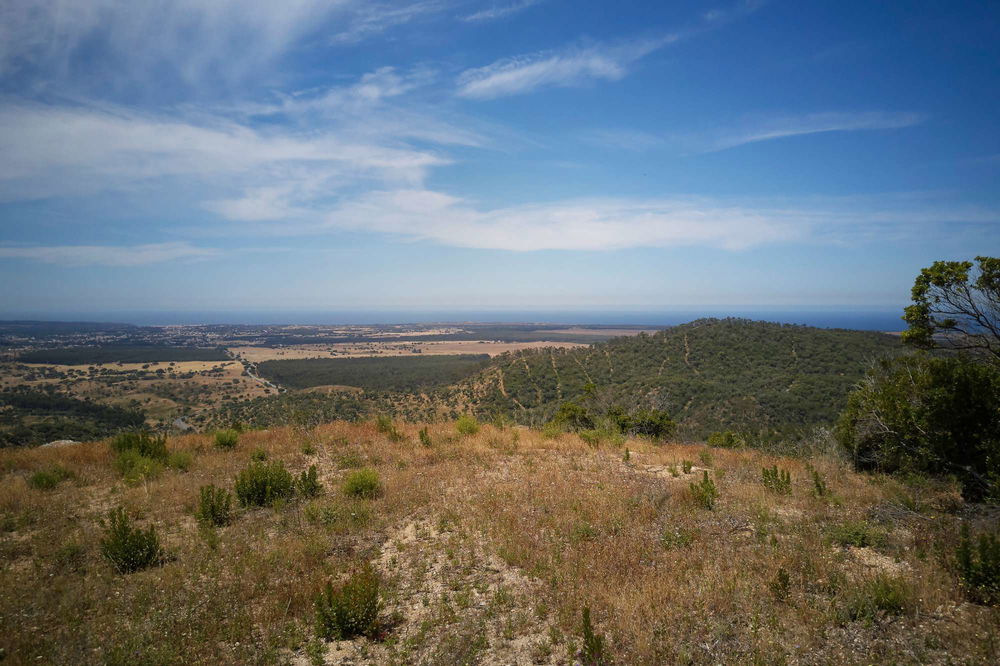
816 123
108 255
573 67
372 18
498 11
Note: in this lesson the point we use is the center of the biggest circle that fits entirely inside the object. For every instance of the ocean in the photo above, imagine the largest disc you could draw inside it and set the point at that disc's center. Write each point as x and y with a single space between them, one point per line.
860 318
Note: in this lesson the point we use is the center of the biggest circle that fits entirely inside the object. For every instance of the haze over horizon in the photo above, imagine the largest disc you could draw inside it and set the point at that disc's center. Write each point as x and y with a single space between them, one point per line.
455 154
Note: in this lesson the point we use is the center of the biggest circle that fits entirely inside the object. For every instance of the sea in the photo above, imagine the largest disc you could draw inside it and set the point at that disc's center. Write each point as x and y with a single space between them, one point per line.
859 318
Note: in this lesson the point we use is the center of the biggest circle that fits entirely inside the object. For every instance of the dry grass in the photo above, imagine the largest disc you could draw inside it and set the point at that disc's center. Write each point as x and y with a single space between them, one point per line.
490 546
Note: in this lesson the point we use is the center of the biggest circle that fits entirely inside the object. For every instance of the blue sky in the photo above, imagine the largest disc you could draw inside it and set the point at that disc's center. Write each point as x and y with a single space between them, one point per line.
345 154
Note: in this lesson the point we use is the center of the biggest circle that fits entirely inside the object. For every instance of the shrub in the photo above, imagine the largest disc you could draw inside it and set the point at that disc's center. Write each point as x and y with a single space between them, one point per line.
263 483
308 485
653 423
777 480
384 424
592 652
351 609
180 460
214 506
679 537
259 455
47 479
135 467
929 415
127 547
876 597
859 534
467 425
780 585
820 488
686 466
627 456
727 439
363 483
573 416
308 449
142 442
706 458
704 492
425 438
978 567
226 439
350 460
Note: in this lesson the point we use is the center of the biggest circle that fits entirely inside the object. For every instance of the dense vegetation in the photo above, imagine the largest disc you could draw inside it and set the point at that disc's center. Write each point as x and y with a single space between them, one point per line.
29 417
709 375
391 373
121 354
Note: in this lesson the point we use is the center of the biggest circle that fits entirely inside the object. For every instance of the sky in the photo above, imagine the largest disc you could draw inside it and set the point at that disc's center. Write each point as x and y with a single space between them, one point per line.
469 154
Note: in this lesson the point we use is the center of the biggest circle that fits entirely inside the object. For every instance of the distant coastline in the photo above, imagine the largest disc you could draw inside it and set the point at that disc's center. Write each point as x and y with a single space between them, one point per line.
859 318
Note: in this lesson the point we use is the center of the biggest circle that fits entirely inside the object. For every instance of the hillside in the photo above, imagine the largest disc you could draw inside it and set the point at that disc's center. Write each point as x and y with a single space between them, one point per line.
485 548
708 375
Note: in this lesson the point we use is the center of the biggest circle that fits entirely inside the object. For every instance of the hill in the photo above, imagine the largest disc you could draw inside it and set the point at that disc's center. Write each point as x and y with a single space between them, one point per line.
709 375
482 549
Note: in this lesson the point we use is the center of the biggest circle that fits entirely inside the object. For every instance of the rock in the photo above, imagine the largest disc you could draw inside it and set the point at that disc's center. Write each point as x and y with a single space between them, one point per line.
62 442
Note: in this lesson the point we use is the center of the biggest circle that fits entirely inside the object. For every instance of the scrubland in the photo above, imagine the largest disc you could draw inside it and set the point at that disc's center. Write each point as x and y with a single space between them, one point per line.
487 547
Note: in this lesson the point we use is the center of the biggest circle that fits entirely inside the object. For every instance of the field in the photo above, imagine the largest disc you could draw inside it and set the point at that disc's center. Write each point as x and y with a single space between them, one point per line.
410 373
489 547
361 349
120 354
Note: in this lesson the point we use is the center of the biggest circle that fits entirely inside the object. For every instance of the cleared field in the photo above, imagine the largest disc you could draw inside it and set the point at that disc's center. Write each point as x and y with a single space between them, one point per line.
363 349
124 354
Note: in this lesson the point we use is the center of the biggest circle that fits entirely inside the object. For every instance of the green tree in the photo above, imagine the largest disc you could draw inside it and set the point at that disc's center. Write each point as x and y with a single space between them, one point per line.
956 303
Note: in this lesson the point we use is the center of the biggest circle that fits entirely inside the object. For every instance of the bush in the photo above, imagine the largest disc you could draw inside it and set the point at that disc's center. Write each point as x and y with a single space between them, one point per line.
425 438
876 597
780 585
135 467
308 485
467 425
129 548
226 439
820 488
704 492
142 442
573 416
363 483
351 609
653 423
47 479
858 534
263 484
933 416
777 480
978 567
180 460
214 506
727 439
259 455
592 652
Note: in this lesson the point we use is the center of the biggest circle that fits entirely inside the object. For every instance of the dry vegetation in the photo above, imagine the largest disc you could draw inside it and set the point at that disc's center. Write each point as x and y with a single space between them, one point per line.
375 348
489 547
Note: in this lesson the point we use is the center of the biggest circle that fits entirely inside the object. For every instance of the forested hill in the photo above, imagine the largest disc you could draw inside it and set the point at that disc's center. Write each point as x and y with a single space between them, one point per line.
710 375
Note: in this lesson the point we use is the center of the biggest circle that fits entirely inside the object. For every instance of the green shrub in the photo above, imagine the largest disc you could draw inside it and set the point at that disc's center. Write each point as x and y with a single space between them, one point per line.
573 416
308 449
143 442
180 460
259 455
49 478
727 439
858 533
777 480
978 567
351 609
686 466
363 483
425 438
706 458
127 547
350 460
263 484
876 597
551 430
780 585
820 488
135 467
592 652
308 485
928 415
467 425
226 439
678 537
214 506
591 437
704 492
627 456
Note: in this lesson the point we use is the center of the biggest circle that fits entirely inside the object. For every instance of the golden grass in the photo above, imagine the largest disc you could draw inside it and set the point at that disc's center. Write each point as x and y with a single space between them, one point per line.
490 545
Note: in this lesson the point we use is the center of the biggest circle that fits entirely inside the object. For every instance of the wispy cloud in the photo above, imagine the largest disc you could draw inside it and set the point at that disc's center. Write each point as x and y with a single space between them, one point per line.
108 255
568 68
623 139
781 127
373 18
499 11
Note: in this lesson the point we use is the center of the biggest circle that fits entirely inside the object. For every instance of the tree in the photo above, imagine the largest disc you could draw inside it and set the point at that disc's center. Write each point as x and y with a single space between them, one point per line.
959 303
